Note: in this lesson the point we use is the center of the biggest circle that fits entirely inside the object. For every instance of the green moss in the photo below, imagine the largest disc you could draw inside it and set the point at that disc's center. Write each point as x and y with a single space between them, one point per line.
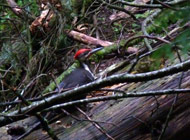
168 17
52 85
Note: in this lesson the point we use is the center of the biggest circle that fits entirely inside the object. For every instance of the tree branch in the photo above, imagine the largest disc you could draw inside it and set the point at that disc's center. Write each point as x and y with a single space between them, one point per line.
119 78
119 9
150 5
121 94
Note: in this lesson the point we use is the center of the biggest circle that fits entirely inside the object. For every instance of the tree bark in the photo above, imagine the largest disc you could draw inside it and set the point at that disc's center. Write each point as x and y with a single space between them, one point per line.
135 118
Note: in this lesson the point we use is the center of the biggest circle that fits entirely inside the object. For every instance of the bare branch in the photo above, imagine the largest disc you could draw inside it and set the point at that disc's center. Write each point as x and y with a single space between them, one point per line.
88 39
119 9
96 124
150 5
147 36
15 8
174 101
143 27
120 95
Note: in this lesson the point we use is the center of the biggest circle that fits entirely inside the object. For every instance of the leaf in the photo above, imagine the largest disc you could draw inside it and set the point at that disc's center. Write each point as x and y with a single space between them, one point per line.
183 41
167 52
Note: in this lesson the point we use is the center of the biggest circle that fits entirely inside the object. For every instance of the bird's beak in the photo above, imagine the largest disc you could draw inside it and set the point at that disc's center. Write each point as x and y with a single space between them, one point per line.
93 51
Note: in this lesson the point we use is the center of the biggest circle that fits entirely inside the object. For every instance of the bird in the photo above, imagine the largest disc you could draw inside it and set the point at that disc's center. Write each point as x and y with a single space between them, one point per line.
78 77
81 75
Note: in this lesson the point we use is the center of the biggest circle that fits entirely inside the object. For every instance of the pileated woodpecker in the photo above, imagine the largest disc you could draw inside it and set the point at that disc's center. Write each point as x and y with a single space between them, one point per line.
81 75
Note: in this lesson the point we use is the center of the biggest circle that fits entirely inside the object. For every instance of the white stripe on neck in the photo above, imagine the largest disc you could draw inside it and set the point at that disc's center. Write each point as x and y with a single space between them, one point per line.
87 69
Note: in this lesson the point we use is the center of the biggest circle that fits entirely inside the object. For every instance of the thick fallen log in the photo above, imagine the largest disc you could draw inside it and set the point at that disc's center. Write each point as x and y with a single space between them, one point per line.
135 118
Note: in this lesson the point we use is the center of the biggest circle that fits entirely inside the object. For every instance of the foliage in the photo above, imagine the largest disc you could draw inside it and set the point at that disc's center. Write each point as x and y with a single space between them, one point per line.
181 43
10 55
168 17
166 53
30 6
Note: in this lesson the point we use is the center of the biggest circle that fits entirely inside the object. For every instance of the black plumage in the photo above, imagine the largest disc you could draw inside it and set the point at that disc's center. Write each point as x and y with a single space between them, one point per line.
78 77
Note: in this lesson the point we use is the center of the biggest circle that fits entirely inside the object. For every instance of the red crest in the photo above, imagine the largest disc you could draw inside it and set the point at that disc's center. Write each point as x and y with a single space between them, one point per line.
80 52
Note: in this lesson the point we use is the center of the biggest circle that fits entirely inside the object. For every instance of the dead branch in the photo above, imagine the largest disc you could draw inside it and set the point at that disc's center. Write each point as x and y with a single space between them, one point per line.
143 27
42 120
15 8
120 94
172 3
96 124
88 39
147 36
19 11
119 9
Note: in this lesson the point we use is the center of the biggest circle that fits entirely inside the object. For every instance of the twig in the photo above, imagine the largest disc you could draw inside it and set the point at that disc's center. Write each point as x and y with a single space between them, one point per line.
46 127
42 120
119 40
19 11
157 106
35 126
167 118
151 5
6 72
54 80
166 5
95 124
21 94
119 8
134 64
87 13
174 101
147 36
79 119
143 27
140 5
19 32
15 8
